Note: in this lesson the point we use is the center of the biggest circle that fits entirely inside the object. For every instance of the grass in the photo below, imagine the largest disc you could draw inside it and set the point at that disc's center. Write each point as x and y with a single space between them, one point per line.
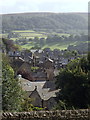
55 47
32 35
20 31
61 34
0 35
28 46
3 35
61 46
13 39
41 34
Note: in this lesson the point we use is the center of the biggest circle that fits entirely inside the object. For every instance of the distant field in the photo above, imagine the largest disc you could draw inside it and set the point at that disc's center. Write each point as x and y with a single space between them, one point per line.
3 35
20 31
56 46
0 35
32 34
27 46
40 34
52 46
61 34
60 46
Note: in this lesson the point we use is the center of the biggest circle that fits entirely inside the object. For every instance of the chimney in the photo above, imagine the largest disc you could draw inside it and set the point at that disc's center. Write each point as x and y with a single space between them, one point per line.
36 88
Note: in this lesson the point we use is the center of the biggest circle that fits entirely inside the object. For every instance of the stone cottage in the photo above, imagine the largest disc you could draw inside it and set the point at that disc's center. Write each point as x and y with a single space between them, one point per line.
42 93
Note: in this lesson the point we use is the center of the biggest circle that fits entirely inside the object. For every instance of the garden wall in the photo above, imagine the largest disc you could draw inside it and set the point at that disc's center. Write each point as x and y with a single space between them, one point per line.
82 114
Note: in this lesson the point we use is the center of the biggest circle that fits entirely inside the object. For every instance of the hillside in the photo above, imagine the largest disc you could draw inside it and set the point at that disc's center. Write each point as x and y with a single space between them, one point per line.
58 22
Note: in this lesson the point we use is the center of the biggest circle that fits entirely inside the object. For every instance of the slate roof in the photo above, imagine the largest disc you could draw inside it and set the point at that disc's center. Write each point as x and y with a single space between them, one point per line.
33 51
14 54
43 91
46 95
39 75
40 51
30 86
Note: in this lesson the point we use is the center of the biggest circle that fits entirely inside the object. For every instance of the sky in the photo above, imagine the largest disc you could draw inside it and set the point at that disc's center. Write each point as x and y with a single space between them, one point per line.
56 6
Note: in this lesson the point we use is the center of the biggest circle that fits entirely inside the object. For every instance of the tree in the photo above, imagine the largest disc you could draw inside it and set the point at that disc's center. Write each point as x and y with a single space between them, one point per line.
26 104
13 97
12 94
42 41
74 83
36 39
9 45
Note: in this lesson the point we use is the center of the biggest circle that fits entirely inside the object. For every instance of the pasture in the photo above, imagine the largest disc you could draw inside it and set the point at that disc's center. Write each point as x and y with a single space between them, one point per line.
27 34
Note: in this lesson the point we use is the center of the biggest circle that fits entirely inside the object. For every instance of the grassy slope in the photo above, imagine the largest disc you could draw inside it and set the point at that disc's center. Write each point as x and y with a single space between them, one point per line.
40 25
32 34
45 21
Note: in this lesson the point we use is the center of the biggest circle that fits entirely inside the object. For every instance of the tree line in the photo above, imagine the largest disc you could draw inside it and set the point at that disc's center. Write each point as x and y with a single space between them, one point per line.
74 84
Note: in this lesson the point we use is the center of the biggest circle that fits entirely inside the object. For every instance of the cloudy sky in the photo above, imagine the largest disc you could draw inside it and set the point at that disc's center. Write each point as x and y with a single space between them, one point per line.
18 6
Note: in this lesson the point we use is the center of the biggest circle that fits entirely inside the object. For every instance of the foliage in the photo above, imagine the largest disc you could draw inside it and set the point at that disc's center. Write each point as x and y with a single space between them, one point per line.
45 21
34 68
27 106
61 105
37 108
13 97
59 41
9 45
74 83
11 90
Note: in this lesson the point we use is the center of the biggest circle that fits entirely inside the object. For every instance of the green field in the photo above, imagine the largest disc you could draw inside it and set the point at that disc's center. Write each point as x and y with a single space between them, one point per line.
41 34
20 31
31 34
52 46
3 35
61 46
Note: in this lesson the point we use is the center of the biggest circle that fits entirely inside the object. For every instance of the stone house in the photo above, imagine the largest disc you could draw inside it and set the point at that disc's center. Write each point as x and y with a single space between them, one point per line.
36 98
47 50
17 63
27 55
42 95
50 73
25 71
13 35
14 54
43 98
49 68
39 76
48 63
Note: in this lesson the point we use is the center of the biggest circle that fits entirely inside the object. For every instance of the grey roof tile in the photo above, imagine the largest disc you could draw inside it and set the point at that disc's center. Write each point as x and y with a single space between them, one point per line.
42 89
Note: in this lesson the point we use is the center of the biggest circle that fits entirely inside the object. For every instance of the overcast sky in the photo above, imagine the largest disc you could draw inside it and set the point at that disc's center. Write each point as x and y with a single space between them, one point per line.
19 6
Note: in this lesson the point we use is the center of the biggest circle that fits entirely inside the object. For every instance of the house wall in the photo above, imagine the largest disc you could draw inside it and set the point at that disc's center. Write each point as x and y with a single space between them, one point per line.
36 100
42 78
50 74
48 64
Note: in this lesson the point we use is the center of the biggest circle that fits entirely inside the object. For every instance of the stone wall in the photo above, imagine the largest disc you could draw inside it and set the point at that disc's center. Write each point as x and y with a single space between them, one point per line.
83 114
